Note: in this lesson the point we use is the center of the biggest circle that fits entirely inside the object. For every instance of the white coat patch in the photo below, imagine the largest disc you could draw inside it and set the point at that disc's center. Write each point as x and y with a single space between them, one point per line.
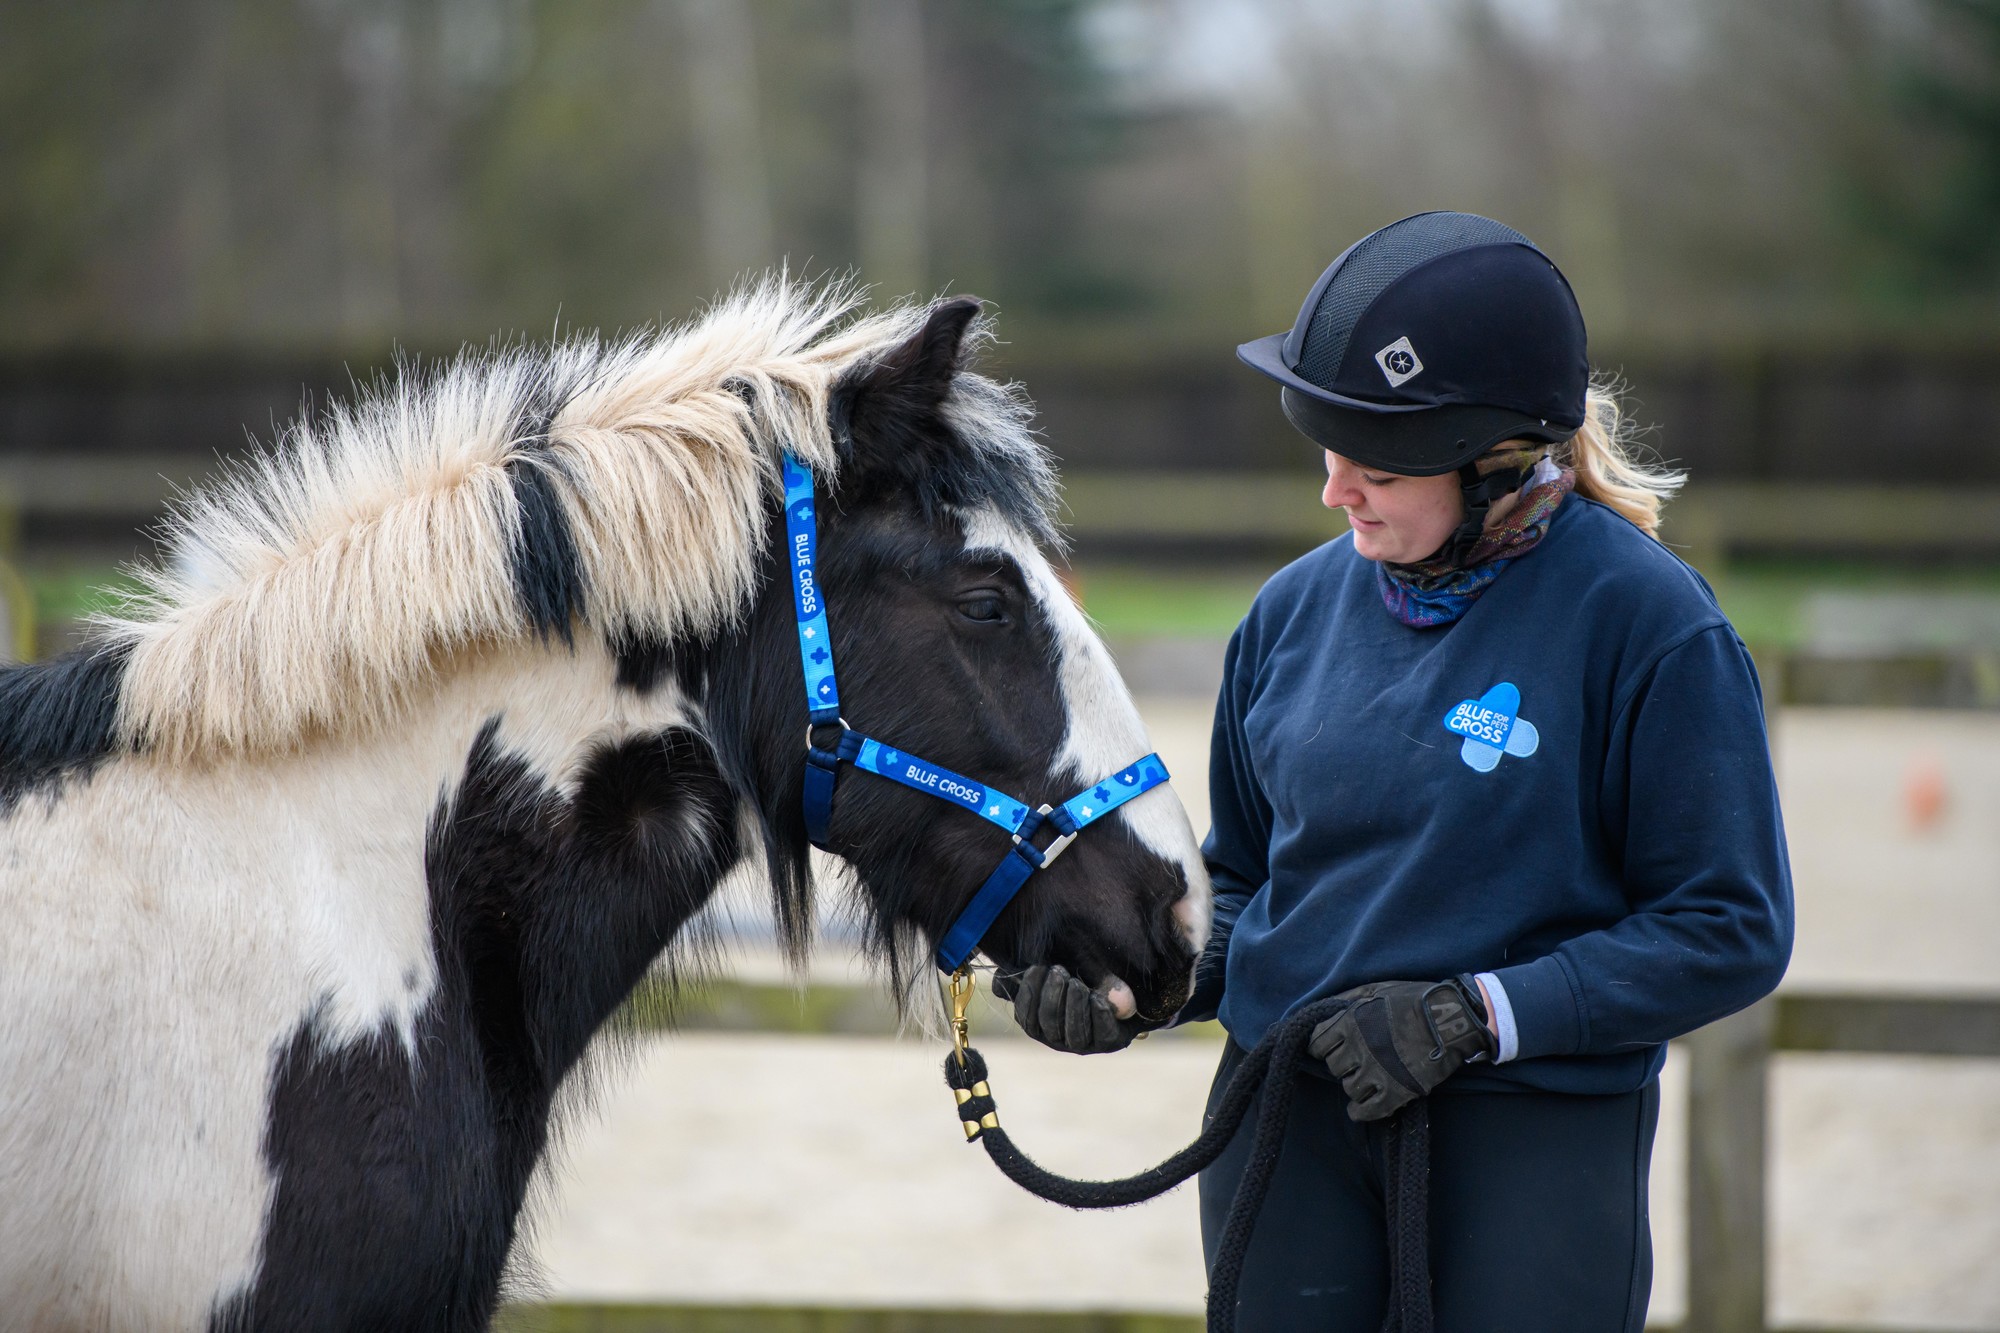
1103 731
167 931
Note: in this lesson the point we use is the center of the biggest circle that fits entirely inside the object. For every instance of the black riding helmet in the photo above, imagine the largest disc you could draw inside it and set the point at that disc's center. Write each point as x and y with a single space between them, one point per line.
1427 343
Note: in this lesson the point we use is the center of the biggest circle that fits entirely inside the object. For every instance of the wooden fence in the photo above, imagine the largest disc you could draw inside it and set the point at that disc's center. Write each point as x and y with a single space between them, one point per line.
1728 1123
1710 522
1266 512
1281 507
1926 409
1727 1147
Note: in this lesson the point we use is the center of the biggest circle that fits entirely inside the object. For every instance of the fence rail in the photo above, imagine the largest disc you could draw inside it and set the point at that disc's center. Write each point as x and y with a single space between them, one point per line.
1727 1152
1791 409
1728 1122
1711 521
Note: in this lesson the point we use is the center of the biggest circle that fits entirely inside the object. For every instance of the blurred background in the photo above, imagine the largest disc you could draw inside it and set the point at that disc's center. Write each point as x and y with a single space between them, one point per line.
1782 218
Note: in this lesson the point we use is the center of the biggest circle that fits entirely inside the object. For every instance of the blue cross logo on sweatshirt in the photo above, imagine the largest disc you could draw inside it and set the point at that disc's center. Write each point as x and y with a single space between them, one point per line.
1492 725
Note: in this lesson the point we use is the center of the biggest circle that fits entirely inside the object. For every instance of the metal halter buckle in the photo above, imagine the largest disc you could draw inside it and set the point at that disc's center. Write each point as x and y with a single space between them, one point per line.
1054 849
811 727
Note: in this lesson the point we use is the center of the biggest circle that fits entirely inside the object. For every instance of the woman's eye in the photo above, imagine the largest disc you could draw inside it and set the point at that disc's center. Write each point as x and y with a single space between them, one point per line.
984 608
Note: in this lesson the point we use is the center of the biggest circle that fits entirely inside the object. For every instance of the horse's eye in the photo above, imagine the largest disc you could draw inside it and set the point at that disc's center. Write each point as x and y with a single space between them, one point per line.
985 608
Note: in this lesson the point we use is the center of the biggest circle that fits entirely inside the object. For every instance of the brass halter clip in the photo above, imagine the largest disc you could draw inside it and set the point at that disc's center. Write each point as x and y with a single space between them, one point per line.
962 988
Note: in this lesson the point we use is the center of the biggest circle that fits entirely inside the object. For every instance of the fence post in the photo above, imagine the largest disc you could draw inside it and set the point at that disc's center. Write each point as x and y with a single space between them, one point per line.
1728 1062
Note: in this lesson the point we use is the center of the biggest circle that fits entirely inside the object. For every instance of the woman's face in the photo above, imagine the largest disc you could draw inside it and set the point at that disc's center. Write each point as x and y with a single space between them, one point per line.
1397 519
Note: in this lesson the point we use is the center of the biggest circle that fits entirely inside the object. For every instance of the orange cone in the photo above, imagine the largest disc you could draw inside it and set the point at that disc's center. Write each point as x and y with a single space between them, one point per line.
1924 794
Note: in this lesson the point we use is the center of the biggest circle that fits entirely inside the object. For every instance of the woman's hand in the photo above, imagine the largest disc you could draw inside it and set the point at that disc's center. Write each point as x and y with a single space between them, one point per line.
1062 1013
1397 1040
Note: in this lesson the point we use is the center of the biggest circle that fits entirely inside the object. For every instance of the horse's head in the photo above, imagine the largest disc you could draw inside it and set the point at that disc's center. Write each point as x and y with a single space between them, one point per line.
956 641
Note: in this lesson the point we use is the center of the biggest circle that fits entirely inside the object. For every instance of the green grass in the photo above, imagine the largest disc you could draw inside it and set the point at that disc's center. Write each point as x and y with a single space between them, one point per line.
66 593
1133 600
1764 598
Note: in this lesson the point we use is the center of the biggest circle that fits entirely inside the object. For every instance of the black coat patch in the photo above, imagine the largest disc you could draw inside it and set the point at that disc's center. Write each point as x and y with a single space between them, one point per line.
548 571
398 1186
58 718
643 662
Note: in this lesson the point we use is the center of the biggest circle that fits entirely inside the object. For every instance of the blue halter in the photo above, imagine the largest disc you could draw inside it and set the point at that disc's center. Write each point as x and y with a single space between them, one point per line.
1023 859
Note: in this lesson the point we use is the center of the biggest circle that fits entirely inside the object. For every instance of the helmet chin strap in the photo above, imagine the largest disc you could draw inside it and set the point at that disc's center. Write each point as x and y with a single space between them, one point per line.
1480 491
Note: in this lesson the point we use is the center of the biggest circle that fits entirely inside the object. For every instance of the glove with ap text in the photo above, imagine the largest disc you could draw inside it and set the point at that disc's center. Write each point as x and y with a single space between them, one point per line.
1397 1040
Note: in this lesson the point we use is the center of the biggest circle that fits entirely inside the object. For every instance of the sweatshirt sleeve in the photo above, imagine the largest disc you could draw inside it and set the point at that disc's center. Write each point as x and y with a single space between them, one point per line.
1237 850
1690 802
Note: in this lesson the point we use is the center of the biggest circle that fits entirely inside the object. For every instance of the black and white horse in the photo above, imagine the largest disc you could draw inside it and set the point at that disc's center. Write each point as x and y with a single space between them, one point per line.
320 870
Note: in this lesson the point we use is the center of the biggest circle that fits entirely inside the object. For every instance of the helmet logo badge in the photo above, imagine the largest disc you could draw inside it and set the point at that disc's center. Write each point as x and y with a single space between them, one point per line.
1399 362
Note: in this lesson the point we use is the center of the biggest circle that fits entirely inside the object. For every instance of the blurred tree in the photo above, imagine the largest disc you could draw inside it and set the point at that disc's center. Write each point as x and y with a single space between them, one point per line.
1940 211
589 189
723 101
58 103
1045 128
345 171
892 203
331 174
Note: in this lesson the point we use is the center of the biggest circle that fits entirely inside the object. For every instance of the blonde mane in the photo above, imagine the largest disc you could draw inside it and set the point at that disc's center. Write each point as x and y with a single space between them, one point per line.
319 586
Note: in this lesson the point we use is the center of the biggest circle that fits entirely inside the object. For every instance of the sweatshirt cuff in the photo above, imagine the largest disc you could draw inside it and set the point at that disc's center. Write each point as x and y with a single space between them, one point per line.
1503 1018
1547 1018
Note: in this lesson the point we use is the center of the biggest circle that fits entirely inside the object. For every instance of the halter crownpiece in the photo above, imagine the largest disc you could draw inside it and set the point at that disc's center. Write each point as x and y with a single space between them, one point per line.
1023 858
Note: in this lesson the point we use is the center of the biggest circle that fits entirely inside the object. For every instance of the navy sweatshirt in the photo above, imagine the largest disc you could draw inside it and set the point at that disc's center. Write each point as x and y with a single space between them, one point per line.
1568 790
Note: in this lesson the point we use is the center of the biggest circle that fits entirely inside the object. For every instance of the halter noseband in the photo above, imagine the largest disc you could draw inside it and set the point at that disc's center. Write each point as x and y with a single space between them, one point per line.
1023 858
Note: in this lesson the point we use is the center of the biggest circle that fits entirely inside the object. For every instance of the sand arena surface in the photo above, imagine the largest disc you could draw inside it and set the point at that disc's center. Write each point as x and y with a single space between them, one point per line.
699 1179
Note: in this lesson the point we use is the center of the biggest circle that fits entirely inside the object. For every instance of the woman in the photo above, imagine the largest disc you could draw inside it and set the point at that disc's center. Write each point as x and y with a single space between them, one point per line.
1494 767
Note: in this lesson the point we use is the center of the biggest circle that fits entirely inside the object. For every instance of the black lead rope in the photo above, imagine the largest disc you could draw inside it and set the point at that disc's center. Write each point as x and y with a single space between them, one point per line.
1404 1142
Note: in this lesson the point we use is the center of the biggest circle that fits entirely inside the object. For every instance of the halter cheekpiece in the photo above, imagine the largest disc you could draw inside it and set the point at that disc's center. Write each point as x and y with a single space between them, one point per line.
1023 858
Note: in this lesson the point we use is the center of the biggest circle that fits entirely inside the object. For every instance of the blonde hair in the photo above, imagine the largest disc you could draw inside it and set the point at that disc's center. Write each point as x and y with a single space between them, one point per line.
1604 455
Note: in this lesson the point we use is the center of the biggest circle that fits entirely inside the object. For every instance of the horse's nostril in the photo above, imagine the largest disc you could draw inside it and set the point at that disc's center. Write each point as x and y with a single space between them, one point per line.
1166 992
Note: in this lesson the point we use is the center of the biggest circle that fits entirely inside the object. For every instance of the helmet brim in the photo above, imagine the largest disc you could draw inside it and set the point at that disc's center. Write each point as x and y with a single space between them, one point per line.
1266 356
1423 442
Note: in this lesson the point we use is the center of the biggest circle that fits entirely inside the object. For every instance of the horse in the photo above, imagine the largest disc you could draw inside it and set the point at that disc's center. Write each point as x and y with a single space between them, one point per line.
323 862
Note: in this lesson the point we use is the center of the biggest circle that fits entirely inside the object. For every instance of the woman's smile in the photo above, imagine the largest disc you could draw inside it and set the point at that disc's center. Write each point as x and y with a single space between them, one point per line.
1395 518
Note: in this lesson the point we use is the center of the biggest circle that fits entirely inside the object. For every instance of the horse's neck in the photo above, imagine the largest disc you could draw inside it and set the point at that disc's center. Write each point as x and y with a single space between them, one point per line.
589 822
514 849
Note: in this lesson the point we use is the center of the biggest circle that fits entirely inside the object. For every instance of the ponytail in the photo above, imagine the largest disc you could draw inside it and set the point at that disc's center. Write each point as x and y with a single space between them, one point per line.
1602 454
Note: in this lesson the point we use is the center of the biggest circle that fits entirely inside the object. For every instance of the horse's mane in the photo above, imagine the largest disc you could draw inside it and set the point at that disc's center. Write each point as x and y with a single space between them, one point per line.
514 491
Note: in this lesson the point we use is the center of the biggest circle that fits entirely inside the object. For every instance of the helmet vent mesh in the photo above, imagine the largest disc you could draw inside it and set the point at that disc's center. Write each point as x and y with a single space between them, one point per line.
1378 261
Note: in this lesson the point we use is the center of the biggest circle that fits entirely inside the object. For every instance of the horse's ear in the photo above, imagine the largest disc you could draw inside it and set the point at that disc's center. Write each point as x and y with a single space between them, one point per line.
890 410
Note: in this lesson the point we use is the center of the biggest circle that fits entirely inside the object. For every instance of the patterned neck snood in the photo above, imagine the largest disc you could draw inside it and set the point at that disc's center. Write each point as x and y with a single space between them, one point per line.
1438 591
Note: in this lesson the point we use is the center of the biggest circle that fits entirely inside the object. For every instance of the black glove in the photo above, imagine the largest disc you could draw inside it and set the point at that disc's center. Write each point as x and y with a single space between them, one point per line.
1397 1040
1061 1012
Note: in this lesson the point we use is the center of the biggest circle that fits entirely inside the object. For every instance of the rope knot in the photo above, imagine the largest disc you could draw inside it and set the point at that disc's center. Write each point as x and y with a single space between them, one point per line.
966 1078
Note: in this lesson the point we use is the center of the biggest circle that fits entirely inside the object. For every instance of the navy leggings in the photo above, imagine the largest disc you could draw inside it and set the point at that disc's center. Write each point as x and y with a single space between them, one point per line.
1537 1212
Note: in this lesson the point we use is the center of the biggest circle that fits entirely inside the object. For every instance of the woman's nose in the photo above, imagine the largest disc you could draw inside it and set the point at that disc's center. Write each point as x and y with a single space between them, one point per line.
1342 485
